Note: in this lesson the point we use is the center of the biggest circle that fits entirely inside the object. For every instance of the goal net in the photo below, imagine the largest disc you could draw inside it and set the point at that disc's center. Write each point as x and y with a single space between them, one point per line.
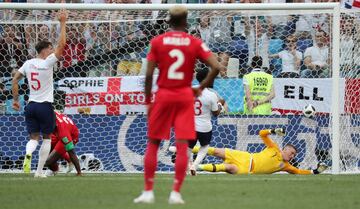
99 82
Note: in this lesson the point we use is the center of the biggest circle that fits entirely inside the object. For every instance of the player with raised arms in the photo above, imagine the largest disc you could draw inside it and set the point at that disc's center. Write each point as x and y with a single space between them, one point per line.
39 113
63 141
174 53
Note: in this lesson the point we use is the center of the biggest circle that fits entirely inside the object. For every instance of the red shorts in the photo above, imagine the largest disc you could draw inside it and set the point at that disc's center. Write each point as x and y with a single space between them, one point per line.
167 113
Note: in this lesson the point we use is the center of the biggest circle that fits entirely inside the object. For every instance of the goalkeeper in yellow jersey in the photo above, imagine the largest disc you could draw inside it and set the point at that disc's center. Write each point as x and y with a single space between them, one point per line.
269 160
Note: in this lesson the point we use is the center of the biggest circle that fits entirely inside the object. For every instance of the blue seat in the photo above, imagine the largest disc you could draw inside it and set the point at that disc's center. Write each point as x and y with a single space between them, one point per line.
275 46
303 44
239 49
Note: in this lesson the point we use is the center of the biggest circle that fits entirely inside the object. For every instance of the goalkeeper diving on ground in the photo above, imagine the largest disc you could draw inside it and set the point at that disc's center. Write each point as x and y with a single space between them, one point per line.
270 160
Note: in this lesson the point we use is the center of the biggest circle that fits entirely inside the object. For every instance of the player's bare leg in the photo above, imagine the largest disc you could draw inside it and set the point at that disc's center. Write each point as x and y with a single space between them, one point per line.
199 158
181 163
43 155
30 148
150 164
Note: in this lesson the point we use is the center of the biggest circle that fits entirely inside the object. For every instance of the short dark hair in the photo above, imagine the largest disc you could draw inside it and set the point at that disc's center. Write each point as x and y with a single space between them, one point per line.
201 74
178 16
42 45
256 62
292 146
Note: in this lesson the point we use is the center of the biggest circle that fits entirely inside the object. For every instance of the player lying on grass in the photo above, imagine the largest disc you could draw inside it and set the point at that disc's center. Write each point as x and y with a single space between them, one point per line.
269 160
63 141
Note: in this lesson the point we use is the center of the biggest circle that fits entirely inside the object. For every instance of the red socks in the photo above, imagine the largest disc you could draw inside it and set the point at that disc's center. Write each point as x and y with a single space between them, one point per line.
150 164
180 165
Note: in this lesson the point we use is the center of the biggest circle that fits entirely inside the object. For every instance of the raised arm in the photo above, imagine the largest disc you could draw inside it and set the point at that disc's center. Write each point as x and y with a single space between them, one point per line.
15 90
62 16
264 134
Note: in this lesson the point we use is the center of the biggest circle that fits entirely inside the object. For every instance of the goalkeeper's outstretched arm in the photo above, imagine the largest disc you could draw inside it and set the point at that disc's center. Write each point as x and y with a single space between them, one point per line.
264 134
293 170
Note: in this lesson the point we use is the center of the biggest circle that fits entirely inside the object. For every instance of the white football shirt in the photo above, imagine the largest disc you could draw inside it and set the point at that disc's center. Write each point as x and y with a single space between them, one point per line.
288 61
204 105
39 73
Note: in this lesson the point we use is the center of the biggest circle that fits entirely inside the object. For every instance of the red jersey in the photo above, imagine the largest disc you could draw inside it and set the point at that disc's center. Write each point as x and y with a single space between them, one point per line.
65 127
175 53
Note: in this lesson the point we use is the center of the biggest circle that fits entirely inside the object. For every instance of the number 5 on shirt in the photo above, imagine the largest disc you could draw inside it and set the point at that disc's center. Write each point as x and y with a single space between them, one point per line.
33 79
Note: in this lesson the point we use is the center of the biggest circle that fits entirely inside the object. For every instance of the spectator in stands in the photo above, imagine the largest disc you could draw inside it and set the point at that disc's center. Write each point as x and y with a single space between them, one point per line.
291 59
347 46
220 1
74 51
316 58
30 40
90 36
258 40
203 29
12 53
44 33
220 38
130 64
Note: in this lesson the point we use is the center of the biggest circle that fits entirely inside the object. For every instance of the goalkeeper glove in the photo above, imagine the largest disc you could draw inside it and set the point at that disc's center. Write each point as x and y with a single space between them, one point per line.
278 131
321 167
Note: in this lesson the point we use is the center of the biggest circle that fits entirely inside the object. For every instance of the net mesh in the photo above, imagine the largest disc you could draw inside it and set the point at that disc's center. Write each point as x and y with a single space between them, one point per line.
99 81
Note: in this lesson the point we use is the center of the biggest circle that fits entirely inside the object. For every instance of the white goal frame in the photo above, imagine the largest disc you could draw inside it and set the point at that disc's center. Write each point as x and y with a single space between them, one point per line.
333 8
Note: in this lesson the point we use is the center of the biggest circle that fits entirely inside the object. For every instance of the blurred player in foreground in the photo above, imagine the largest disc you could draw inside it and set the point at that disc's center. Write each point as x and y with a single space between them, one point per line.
174 53
63 141
269 160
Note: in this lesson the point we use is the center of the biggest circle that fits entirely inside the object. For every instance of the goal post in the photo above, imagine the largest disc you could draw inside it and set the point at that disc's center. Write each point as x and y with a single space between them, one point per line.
99 82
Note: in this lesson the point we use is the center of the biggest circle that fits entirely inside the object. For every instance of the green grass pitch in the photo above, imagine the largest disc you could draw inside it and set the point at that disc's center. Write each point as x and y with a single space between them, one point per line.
110 191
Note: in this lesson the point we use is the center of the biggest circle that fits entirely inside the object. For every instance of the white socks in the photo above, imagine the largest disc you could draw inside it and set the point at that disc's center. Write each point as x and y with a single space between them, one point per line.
31 146
43 154
201 155
190 155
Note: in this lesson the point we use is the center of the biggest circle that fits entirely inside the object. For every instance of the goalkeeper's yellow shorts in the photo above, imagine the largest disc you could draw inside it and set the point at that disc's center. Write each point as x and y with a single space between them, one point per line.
238 158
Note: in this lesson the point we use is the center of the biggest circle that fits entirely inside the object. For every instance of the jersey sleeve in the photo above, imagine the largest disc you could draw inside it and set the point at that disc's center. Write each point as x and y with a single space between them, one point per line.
264 134
294 170
204 51
75 134
51 60
151 56
23 68
63 132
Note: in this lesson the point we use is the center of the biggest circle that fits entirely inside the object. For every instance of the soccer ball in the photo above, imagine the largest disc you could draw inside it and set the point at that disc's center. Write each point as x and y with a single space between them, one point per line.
309 111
